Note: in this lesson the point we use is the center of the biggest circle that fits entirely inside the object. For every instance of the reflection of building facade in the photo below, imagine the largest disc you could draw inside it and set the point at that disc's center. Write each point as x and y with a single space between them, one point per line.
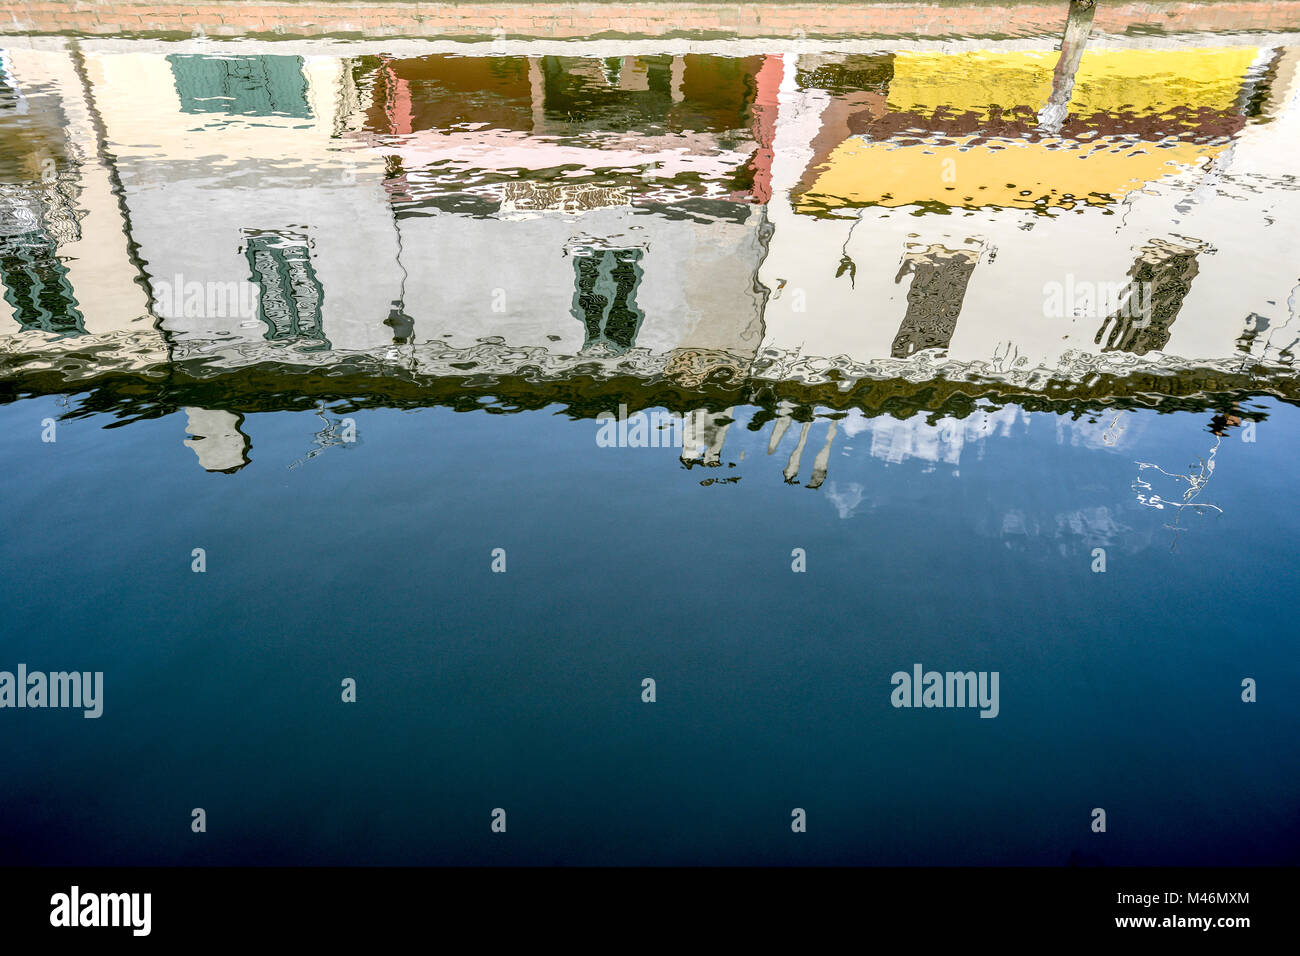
579 268
591 172
702 218
65 261
230 167
867 147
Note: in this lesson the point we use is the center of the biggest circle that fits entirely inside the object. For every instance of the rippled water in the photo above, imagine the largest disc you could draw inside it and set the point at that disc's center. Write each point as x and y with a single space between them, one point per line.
994 338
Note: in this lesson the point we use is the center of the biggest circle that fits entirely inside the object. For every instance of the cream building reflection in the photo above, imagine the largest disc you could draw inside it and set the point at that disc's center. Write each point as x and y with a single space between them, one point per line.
233 173
217 438
66 264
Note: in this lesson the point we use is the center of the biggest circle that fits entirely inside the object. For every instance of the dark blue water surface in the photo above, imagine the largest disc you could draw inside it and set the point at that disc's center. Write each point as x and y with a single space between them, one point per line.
522 690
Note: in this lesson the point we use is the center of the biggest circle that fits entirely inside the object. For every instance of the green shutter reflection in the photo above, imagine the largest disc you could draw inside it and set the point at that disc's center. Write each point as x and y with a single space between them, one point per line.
241 85
36 284
291 295
605 298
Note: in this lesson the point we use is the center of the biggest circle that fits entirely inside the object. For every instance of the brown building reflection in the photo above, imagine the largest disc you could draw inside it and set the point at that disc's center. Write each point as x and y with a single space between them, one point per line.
1159 282
940 276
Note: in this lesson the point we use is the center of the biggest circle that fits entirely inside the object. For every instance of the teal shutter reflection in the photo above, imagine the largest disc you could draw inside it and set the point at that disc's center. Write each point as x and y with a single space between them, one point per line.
241 85
604 299
291 296
36 284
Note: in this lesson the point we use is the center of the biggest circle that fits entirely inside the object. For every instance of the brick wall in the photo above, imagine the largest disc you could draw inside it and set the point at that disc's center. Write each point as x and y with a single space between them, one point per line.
573 20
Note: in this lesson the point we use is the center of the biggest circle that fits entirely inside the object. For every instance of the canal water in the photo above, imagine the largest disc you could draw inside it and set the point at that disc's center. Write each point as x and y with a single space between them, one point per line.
542 452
